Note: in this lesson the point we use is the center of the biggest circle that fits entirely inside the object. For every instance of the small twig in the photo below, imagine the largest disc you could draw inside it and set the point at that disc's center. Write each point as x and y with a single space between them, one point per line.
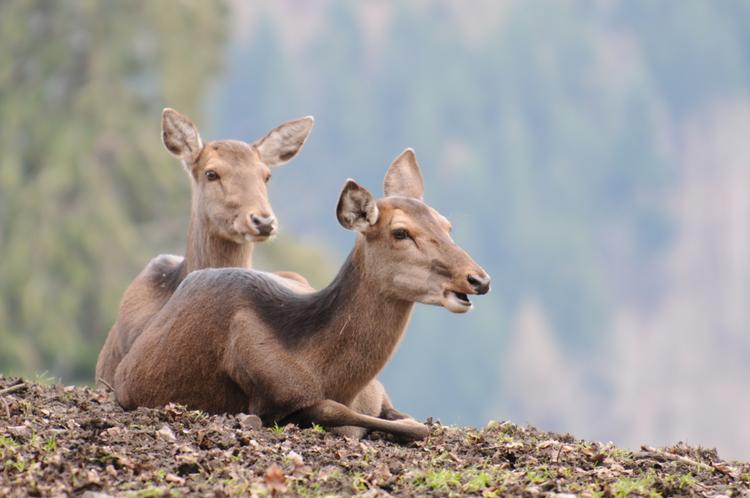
105 383
677 458
12 388
724 469
559 450
7 408
690 461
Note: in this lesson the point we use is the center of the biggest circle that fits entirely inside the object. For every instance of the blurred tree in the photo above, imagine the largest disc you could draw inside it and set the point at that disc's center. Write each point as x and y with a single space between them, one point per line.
537 140
86 189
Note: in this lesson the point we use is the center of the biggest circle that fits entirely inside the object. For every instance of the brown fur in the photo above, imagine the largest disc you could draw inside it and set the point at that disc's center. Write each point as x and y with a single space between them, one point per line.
232 340
221 231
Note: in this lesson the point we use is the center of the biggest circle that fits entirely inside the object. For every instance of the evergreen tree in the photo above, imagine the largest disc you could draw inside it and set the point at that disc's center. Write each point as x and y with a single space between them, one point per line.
82 172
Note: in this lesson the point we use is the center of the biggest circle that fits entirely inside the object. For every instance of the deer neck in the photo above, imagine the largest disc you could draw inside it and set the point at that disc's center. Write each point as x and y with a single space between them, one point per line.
364 332
206 250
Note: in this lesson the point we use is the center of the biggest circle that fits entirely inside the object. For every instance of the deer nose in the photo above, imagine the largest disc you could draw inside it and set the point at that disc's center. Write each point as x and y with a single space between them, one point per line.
480 283
263 223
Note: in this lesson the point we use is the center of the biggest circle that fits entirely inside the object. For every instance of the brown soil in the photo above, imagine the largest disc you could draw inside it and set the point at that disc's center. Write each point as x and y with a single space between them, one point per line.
63 441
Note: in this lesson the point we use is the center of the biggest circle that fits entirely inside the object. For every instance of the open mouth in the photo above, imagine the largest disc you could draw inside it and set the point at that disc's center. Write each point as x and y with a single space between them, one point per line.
463 298
457 300
252 237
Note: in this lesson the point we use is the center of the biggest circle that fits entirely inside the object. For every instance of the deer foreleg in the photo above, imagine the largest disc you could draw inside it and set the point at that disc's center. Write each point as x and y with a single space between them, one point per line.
329 413
373 400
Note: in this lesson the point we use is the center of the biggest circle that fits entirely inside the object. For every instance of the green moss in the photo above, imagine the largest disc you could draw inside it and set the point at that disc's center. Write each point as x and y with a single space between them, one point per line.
478 482
153 492
7 442
680 480
305 488
642 486
565 473
17 464
620 454
235 487
359 482
438 480
539 475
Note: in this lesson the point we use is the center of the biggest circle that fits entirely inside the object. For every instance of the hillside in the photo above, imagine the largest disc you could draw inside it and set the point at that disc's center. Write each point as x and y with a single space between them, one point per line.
57 440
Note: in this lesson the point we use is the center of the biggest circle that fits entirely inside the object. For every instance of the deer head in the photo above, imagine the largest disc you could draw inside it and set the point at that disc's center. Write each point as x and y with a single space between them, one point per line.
230 197
406 244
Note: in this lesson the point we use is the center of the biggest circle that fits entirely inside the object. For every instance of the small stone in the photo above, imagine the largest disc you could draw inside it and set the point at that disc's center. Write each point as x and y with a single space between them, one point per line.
113 432
92 477
110 470
166 434
250 422
174 479
296 459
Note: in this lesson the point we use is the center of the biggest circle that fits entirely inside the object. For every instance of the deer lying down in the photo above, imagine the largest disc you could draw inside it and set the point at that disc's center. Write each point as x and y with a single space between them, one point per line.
230 212
233 340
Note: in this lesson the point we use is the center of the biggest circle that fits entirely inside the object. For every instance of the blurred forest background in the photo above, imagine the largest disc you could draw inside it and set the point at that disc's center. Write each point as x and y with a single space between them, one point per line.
594 157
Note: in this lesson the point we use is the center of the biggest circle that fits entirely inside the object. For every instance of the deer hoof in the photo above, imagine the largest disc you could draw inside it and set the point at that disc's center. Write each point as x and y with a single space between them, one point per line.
414 430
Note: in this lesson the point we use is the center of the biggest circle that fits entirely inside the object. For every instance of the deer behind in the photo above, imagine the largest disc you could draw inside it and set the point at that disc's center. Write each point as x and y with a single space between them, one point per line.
230 211
232 340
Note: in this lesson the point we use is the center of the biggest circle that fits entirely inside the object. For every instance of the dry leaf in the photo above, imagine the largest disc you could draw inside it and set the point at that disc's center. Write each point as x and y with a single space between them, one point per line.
275 479
382 473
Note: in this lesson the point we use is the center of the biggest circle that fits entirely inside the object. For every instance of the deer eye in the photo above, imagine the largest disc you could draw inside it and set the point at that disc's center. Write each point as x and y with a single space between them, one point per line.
212 175
400 234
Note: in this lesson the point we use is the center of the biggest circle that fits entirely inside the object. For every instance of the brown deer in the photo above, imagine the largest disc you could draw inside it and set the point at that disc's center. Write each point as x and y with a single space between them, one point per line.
229 213
233 340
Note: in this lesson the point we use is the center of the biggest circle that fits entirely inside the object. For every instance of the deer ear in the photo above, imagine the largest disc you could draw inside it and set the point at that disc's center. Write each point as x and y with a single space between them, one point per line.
180 136
356 209
404 177
283 142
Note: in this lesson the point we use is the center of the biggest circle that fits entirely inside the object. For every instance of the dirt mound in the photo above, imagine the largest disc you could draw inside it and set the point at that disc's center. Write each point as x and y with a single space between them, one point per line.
57 440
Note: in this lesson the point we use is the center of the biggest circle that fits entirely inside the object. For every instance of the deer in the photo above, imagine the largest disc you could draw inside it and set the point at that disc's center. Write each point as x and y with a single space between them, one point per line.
237 341
230 212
